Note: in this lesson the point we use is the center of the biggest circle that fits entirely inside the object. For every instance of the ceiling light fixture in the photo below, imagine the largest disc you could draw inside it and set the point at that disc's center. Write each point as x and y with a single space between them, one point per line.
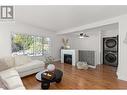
82 35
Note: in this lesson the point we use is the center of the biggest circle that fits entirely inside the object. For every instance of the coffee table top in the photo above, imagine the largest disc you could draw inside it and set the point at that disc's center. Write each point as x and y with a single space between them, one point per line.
58 73
38 75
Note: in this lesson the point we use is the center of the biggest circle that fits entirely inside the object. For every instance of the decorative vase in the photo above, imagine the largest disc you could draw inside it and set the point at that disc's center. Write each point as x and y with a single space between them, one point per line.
67 47
51 67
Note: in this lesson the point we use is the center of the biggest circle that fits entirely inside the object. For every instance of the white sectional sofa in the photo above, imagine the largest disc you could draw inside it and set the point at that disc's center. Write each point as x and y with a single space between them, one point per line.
10 79
12 68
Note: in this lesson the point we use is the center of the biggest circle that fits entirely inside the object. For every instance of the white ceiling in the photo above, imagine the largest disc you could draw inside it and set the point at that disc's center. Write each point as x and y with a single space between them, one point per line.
58 18
103 28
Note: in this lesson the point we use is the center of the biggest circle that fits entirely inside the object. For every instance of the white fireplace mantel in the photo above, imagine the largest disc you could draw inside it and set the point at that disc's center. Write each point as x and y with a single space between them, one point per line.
71 52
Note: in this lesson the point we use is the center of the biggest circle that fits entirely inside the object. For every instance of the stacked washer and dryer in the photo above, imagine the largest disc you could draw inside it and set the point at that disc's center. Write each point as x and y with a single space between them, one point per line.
110 51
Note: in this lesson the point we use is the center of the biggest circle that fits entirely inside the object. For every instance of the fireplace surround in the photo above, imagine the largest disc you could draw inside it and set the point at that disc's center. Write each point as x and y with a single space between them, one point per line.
71 54
68 58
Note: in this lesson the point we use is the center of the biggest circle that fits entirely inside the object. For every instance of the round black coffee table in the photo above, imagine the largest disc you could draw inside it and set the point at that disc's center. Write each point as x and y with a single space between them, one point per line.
45 83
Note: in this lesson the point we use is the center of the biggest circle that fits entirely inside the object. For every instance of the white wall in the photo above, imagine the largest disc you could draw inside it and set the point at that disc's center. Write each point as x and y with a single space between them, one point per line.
94 42
57 46
122 66
110 33
5 36
122 21
91 43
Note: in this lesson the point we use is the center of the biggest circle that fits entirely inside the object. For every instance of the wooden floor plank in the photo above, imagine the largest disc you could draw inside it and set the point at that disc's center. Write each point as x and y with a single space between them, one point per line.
103 77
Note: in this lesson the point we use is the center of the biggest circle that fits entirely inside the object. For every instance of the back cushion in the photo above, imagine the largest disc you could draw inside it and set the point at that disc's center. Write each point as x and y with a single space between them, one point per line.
20 60
10 61
3 65
6 62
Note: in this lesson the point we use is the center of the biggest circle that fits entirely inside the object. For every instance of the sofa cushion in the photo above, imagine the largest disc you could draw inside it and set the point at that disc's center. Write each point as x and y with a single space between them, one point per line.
1 88
10 78
2 85
13 82
31 65
8 61
3 65
8 73
20 60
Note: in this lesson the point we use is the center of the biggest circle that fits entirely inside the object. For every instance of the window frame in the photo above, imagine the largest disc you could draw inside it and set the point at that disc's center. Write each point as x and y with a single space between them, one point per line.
43 53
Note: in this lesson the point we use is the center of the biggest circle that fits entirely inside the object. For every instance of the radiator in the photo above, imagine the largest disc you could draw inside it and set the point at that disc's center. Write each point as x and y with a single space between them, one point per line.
87 56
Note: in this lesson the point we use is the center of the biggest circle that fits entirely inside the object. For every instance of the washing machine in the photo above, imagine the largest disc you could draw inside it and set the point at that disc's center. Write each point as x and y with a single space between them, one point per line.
110 43
111 58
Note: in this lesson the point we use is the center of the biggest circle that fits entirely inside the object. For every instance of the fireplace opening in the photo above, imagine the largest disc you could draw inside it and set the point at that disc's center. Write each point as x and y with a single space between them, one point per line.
68 58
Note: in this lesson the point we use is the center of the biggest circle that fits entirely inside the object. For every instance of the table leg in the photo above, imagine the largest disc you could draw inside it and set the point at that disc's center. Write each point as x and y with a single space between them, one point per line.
45 85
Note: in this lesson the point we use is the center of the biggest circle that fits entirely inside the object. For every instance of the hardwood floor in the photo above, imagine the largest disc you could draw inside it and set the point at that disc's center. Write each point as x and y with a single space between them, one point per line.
103 77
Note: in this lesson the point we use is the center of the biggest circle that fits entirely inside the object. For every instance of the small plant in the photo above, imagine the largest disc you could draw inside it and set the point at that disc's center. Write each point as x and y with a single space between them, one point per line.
49 60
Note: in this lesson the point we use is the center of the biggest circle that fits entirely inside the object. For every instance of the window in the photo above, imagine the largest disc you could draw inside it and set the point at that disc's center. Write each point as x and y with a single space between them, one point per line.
30 45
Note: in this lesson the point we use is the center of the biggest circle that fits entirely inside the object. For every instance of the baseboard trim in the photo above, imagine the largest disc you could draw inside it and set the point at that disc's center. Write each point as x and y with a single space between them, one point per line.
90 66
122 77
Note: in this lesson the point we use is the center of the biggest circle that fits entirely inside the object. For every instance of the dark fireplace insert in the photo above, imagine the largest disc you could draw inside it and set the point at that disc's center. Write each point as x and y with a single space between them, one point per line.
68 58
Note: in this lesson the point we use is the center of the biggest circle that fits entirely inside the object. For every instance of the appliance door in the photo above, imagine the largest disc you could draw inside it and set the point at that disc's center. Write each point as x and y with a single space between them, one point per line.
110 58
111 43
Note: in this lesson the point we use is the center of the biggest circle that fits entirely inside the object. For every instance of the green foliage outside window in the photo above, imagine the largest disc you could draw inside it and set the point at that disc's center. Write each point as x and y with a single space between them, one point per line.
30 45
